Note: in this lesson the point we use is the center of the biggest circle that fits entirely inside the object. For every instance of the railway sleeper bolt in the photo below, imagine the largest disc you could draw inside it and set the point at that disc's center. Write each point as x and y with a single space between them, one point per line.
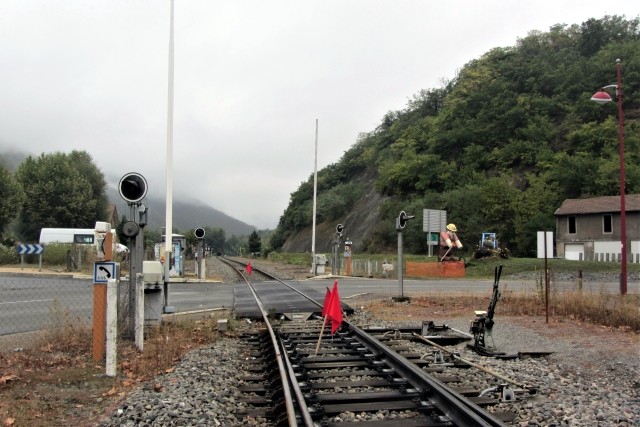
312 398
375 363
304 386
424 407
441 419
301 375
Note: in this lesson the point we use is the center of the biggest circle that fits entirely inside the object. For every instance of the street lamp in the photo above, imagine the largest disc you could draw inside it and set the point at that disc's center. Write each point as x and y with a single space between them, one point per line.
602 97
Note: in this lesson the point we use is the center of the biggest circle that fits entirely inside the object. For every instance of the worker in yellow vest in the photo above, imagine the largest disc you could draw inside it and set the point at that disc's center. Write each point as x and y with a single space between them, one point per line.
449 242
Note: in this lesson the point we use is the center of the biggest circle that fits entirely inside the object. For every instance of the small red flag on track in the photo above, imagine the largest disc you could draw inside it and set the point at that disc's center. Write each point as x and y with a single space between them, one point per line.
248 269
335 309
327 299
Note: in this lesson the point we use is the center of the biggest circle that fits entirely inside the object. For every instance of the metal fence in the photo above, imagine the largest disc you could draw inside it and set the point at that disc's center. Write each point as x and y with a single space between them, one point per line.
40 302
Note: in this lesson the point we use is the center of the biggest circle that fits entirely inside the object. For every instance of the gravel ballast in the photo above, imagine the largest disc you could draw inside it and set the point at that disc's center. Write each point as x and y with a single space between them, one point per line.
592 377
577 386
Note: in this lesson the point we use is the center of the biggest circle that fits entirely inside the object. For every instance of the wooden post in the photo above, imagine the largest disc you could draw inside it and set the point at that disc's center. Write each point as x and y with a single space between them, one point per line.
100 307
99 320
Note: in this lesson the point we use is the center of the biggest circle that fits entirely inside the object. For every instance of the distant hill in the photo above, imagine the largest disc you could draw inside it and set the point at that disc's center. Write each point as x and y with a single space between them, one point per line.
187 214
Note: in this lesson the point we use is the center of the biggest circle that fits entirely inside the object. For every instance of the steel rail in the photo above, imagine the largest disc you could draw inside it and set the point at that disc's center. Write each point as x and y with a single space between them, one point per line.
284 377
458 408
280 281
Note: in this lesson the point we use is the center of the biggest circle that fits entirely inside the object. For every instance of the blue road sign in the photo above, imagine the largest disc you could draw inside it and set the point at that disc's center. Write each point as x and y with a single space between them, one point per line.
32 249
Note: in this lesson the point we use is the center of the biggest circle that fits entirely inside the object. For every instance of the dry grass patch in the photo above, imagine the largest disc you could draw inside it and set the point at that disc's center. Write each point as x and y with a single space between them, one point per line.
605 309
56 381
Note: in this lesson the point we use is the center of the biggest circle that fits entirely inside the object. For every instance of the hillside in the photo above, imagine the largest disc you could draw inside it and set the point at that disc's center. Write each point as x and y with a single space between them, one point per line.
499 147
187 214
366 211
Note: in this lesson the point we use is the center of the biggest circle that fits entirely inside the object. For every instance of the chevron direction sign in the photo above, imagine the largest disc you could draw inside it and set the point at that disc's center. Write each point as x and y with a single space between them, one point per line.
30 249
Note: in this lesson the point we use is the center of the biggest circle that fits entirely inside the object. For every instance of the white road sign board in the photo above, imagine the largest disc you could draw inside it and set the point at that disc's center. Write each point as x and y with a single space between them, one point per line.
103 271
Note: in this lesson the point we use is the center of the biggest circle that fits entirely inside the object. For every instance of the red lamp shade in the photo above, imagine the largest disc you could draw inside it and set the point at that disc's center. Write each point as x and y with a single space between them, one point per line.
601 97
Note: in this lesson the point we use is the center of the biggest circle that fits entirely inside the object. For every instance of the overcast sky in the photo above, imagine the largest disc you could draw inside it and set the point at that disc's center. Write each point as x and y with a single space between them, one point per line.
251 78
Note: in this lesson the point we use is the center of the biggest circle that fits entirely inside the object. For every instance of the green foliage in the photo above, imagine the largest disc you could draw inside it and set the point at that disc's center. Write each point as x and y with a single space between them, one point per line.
11 196
9 255
215 239
255 244
59 192
501 146
122 238
87 168
236 246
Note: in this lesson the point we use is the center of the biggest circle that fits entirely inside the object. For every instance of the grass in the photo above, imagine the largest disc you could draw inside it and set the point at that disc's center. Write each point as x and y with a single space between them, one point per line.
57 382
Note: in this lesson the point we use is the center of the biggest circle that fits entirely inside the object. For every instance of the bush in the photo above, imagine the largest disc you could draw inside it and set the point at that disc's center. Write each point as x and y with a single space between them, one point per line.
9 255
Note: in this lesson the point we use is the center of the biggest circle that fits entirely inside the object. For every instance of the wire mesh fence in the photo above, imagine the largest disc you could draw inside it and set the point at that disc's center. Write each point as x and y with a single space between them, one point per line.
36 302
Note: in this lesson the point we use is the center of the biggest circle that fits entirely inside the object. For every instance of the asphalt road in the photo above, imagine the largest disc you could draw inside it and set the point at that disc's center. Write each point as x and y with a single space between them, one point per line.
31 302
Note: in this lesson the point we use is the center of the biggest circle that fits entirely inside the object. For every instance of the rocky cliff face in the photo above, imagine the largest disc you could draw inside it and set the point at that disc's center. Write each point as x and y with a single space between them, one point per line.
359 224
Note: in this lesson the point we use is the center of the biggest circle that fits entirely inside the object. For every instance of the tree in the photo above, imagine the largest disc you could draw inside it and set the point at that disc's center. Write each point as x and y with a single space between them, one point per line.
11 196
56 195
122 238
255 244
83 163
215 239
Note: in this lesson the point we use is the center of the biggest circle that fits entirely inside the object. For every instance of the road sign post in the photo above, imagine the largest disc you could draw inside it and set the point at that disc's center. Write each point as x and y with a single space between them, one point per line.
32 249
103 271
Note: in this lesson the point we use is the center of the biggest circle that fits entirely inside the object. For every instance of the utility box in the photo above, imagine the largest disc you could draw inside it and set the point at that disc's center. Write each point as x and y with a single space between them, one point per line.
152 272
153 288
320 263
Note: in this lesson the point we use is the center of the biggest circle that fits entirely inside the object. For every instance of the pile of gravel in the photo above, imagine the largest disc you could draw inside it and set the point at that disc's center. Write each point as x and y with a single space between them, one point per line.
577 386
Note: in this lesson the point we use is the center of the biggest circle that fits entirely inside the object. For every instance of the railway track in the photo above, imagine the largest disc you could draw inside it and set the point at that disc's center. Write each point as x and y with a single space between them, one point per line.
376 377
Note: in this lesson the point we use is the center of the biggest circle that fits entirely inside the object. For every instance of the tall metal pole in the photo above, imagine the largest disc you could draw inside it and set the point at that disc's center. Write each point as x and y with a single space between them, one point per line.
623 211
168 239
315 193
400 267
546 280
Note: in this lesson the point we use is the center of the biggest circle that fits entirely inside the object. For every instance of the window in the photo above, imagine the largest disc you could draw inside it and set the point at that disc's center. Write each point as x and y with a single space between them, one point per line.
572 224
607 224
83 238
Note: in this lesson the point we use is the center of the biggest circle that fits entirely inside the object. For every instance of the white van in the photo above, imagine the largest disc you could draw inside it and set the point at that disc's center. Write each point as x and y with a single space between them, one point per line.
83 236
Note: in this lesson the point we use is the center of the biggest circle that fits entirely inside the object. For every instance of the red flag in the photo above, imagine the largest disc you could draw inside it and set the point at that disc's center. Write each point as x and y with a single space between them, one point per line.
335 309
327 299
248 269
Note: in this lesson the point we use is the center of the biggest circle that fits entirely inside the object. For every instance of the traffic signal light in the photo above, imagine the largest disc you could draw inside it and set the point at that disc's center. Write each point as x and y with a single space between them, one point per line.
132 187
402 219
199 232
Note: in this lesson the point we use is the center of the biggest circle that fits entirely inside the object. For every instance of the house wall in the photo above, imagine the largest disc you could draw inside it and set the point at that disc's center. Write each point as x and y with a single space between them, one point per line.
591 241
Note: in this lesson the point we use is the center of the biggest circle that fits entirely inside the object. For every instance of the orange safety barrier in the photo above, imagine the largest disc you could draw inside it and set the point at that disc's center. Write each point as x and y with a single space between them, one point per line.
435 269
